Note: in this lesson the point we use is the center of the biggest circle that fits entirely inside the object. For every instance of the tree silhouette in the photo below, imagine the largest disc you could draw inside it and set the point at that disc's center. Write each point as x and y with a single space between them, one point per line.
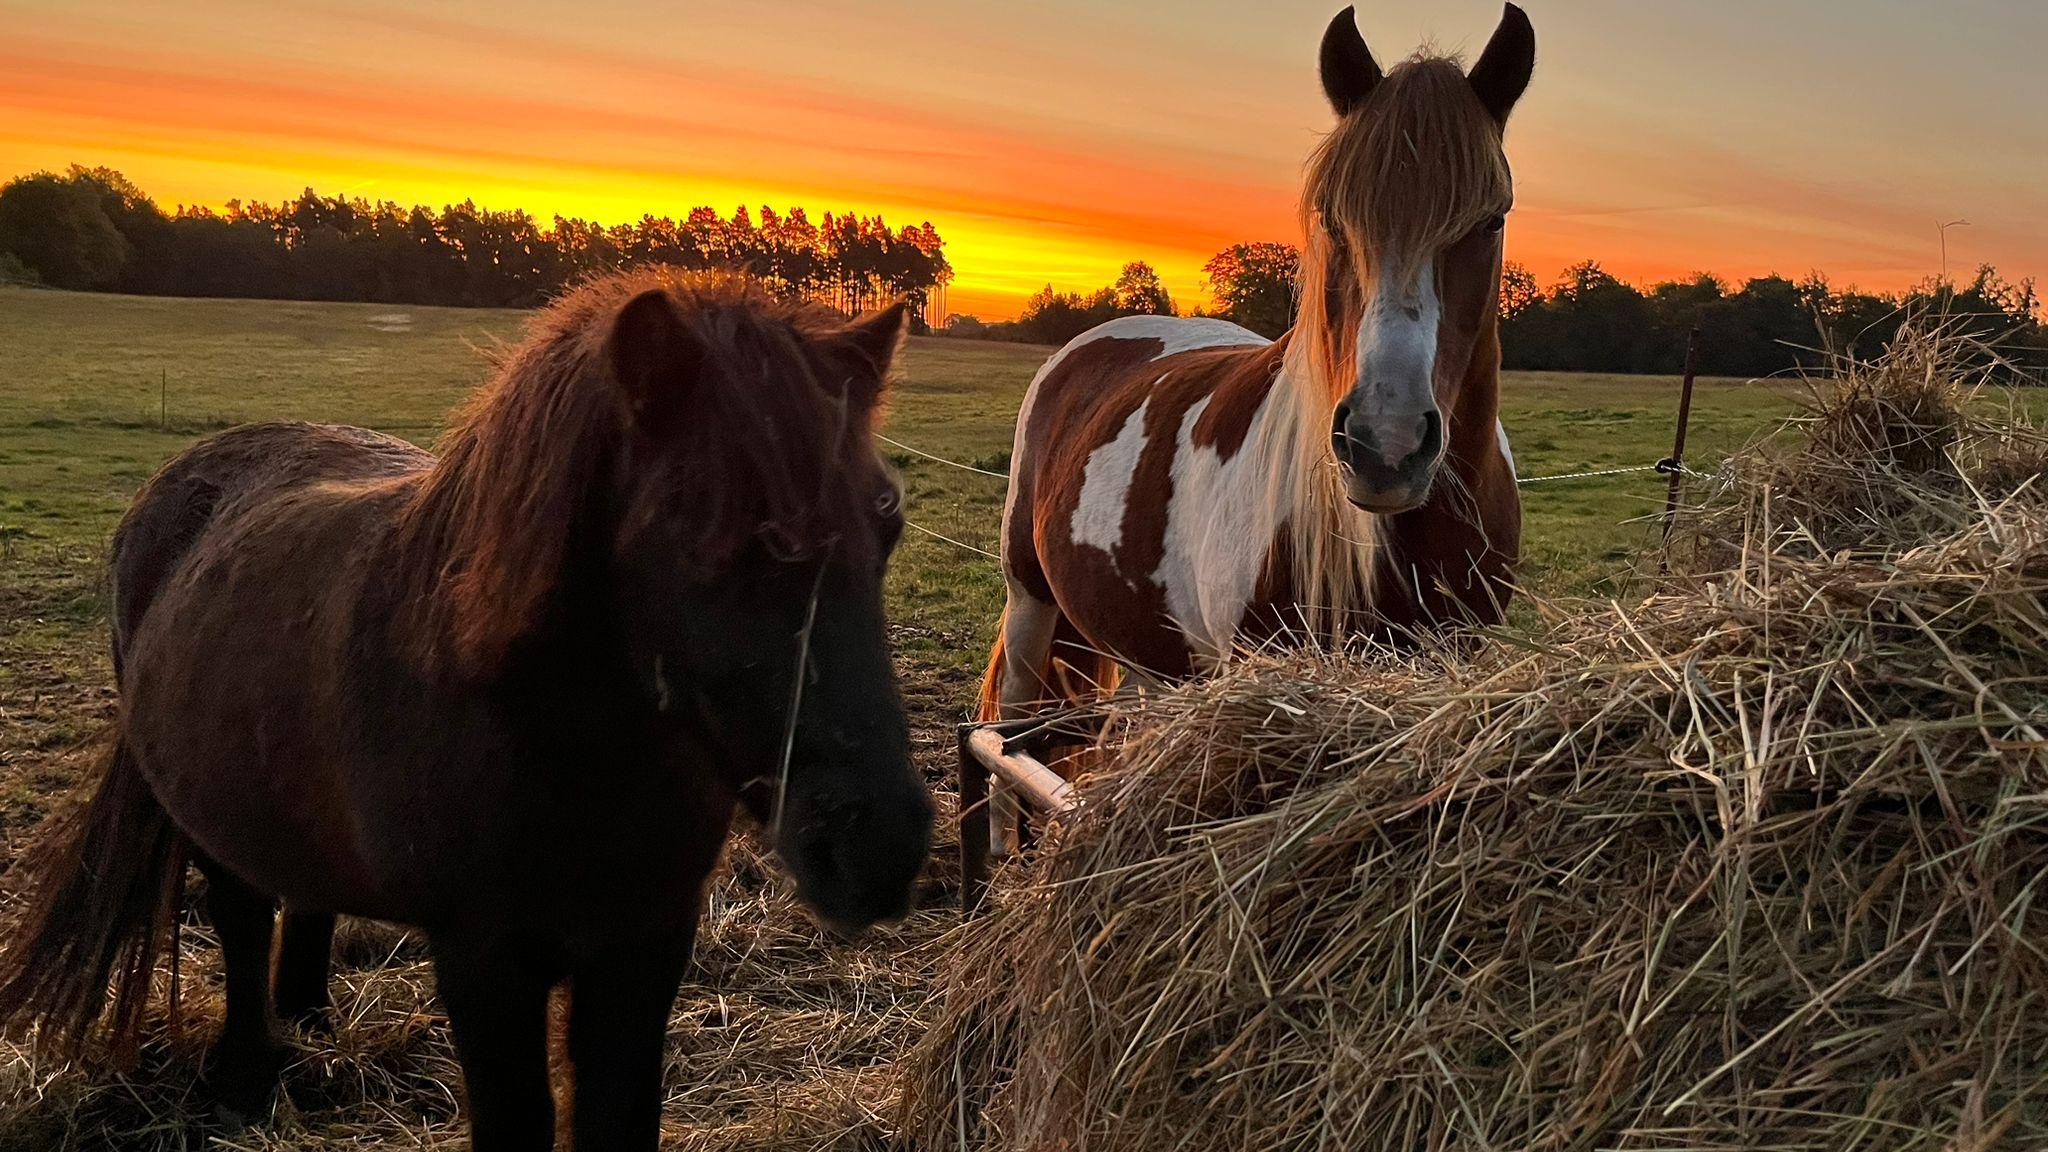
1254 285
1054 317
57 227
1518 290
1590 321
1139 291
93 228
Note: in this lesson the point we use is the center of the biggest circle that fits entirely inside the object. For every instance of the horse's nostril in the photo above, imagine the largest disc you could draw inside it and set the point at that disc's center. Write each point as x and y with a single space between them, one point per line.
1432 435
1343 417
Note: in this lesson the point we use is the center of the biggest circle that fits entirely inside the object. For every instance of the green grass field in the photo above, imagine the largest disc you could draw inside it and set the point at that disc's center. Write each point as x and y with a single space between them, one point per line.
96 391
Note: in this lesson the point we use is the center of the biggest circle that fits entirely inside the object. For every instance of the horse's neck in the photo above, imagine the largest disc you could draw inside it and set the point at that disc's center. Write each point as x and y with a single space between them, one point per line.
485 549
1475 421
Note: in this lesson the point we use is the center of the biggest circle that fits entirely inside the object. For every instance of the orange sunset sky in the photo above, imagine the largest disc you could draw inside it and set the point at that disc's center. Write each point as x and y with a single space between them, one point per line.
1051 142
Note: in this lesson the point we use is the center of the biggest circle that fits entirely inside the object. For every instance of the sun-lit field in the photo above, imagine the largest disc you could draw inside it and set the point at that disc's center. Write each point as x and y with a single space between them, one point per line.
96 391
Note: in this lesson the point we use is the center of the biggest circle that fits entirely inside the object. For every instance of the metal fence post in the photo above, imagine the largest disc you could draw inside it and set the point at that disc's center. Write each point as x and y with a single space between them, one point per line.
1674 466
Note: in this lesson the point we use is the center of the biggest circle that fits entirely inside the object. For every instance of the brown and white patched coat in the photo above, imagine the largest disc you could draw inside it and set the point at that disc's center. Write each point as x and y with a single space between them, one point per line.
1180 489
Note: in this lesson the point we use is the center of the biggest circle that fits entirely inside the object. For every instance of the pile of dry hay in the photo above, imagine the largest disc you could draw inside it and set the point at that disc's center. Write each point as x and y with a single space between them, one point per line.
1749 864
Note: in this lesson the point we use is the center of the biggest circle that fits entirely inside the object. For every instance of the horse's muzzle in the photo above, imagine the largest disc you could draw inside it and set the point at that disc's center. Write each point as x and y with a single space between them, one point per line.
1372 481
856 864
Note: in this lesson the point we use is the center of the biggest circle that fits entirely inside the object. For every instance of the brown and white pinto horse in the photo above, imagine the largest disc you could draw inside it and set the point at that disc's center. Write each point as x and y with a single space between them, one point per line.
1180 488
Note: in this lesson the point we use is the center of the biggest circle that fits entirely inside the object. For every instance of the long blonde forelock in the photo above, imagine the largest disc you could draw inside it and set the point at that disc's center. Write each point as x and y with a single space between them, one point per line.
1416 167
1332 548
1413 169
1397 181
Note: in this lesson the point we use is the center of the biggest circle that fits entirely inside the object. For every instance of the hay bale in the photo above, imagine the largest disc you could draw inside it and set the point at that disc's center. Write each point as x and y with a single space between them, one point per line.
1886 454
1749 864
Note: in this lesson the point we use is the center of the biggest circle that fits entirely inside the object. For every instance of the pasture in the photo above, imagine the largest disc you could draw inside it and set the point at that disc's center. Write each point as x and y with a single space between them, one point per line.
96 391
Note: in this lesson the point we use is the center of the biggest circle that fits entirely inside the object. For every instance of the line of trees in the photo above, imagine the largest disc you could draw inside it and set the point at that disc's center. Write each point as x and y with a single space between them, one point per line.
1253 285
1590 321
93 229
1051 317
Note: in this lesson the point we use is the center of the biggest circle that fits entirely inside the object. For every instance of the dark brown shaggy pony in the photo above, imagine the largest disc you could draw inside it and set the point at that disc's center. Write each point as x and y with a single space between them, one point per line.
511 696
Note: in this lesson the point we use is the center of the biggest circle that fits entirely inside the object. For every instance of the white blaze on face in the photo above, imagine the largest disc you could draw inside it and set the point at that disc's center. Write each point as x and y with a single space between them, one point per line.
1397 360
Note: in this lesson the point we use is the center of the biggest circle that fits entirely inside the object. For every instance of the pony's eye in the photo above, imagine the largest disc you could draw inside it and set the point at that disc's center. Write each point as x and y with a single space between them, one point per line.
782 543
888 501
1497 223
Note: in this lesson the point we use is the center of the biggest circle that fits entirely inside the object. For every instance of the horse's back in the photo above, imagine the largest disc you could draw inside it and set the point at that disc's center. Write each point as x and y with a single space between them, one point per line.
1103 370
222 474
239 575
1098 458
1100 355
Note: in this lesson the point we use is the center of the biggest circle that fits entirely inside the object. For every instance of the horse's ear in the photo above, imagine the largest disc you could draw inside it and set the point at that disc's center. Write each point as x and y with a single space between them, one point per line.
1349 71
875 339
652 355
1503 71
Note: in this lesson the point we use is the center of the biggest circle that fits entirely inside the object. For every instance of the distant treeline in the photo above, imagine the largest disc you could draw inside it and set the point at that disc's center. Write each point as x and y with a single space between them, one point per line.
1051 317
93 229
1589 321
1253 284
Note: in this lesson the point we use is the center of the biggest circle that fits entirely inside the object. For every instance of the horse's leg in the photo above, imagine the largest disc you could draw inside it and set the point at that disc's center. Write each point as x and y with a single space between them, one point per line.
618 1021
498 1009
245 1063
1028 628
304 950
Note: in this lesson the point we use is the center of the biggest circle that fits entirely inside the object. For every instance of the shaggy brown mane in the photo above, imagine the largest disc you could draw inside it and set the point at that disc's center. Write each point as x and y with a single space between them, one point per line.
756 446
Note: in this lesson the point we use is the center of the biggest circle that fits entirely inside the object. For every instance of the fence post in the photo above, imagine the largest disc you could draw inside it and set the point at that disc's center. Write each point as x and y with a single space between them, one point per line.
974 828
1674 466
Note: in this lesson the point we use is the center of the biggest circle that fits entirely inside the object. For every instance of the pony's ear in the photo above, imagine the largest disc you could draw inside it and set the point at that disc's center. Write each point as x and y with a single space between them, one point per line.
874 339
652 355
1349 71
1503 71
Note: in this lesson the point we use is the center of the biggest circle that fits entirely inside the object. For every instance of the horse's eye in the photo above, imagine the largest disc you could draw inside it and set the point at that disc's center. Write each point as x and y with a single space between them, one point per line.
1496 224
888 501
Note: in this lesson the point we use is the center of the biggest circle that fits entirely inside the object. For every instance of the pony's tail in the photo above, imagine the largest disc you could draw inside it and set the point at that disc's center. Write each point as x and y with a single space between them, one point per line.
108 879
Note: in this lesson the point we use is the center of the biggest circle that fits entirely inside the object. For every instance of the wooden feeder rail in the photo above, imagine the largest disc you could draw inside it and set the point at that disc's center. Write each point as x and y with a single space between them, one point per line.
1006 752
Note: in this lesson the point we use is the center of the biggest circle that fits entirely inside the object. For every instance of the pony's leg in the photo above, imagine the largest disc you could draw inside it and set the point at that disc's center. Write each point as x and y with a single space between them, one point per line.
618 1023
244 1065
1028 628
498 1010
304 951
